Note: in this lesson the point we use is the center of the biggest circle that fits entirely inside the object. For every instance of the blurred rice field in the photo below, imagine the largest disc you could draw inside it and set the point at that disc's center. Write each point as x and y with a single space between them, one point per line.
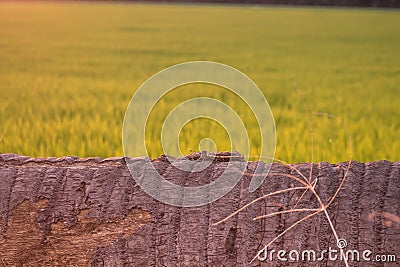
68 71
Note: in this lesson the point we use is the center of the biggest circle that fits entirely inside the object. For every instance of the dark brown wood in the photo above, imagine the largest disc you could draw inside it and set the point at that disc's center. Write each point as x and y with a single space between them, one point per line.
90 211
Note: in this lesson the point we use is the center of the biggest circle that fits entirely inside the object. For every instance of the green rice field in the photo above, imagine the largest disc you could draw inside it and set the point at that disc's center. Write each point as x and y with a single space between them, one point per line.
69 70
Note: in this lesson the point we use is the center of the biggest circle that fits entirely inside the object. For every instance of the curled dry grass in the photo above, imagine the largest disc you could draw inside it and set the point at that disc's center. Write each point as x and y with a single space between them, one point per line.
305 184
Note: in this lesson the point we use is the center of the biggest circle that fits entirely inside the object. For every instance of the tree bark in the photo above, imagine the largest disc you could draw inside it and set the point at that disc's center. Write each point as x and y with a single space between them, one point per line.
90 211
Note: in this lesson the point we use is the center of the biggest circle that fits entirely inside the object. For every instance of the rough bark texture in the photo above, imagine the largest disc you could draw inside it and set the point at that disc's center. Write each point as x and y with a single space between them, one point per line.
80 212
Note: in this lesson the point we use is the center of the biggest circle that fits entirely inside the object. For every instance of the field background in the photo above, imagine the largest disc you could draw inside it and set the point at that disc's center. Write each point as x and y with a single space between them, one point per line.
68 71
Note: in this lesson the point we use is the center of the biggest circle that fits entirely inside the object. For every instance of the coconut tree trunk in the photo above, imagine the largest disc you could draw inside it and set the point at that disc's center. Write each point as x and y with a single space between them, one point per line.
90 211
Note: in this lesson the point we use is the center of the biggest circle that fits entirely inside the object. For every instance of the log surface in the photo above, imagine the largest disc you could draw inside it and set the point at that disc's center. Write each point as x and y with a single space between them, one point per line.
90 212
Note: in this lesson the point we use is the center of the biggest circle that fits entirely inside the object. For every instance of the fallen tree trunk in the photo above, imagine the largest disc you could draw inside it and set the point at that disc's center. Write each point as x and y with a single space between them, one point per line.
79 212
